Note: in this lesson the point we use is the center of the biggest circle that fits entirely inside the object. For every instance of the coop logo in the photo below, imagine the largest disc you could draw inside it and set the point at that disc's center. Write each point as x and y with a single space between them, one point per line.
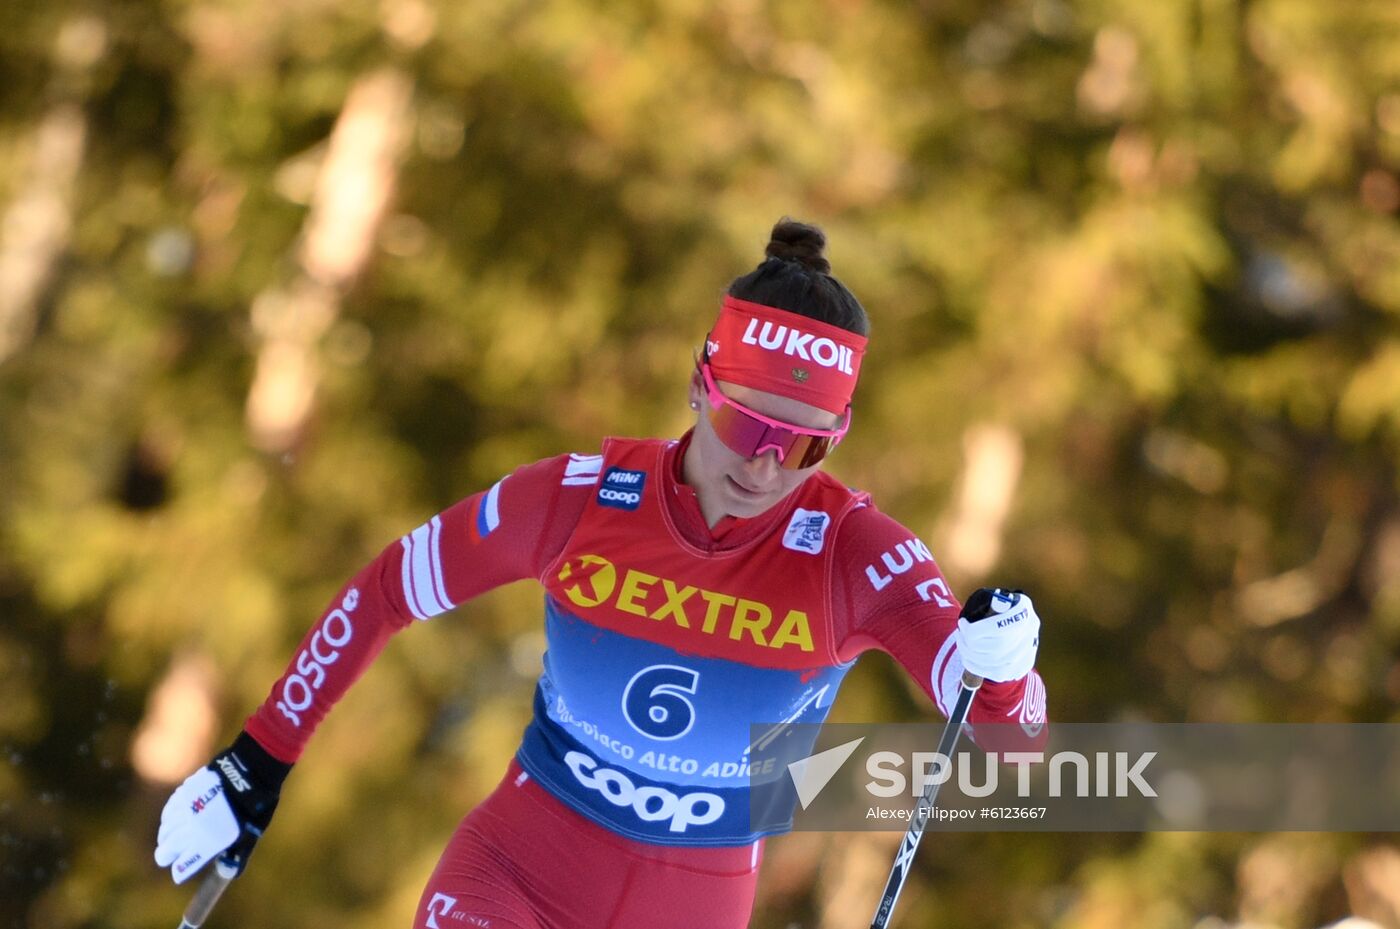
798 344
622 489
651 804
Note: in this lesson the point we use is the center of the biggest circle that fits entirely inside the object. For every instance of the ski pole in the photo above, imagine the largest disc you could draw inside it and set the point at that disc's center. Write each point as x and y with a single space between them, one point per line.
208 894
905 859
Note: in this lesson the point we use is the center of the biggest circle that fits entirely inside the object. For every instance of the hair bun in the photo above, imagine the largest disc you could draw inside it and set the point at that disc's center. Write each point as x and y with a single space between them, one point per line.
799 242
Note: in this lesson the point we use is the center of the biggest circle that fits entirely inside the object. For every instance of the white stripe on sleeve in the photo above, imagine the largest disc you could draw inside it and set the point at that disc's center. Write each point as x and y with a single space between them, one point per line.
422 571
491 507
582 470
946 676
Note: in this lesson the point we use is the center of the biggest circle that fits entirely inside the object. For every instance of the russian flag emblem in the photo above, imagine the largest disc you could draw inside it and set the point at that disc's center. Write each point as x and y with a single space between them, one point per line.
487 515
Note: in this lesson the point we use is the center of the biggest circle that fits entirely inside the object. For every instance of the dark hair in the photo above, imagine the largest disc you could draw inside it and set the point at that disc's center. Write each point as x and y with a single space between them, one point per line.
796 277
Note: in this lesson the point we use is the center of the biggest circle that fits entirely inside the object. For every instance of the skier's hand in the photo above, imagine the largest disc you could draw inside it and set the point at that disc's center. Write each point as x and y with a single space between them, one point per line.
225 806
998 634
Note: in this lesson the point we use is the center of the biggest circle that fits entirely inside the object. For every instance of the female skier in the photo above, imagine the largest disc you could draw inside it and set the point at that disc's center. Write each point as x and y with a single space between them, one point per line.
693 587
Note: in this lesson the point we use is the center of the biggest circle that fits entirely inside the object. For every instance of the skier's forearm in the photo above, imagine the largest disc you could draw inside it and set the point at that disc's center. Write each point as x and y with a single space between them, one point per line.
339 648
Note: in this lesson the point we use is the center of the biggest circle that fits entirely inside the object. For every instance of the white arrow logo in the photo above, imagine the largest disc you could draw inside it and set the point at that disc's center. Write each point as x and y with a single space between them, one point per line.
812 773
447 903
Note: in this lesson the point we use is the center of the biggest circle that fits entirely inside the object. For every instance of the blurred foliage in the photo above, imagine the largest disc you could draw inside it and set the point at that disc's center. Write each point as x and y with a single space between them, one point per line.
1157 242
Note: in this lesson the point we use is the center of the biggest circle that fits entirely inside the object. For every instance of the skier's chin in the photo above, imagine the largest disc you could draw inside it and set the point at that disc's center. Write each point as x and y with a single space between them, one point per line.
745 502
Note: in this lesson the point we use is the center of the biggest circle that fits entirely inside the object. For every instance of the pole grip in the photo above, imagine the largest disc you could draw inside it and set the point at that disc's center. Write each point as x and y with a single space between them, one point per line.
208 894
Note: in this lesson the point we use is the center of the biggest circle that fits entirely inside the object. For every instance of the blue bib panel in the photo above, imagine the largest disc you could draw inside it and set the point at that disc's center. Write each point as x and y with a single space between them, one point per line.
661 659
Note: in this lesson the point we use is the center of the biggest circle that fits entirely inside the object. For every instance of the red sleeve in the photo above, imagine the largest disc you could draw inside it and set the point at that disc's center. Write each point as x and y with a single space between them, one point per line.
508 532
888 593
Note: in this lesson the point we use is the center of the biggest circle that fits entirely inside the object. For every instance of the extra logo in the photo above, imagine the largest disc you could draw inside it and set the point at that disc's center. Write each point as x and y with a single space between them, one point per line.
622 489
592 580
806 531
651 804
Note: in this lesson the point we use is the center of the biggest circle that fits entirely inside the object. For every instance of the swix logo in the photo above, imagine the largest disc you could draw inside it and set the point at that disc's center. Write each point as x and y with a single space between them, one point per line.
651 804
903 557
798 344
592 581
906 853
235 777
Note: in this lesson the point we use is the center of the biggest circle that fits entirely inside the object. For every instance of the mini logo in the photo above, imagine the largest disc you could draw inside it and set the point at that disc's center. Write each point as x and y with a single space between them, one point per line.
806 531
622 489
800 375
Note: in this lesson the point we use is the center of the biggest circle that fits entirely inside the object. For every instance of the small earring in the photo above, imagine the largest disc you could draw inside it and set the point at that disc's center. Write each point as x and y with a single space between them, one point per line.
694 405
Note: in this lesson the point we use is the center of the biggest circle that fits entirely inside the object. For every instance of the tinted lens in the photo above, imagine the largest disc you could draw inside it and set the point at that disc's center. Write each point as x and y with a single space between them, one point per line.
748 437
817 448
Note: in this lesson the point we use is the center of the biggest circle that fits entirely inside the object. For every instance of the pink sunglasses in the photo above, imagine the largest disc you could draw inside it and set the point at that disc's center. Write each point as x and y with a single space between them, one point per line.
750 434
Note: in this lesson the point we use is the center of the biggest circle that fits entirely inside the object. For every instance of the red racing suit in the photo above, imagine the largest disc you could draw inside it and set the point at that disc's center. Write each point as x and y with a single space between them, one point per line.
666 640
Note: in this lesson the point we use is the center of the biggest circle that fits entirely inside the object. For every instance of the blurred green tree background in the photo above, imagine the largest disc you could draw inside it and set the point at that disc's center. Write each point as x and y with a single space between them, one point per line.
279 280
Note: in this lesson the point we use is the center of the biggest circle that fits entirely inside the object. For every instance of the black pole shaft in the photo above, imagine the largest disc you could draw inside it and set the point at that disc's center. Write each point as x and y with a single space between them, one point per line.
905 859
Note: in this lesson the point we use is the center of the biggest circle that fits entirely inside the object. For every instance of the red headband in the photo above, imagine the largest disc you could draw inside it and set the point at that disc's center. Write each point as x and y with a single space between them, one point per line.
785 353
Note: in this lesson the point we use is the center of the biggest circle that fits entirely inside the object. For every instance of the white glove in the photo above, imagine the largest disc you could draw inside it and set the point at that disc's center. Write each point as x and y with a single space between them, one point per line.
195 826
998 634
